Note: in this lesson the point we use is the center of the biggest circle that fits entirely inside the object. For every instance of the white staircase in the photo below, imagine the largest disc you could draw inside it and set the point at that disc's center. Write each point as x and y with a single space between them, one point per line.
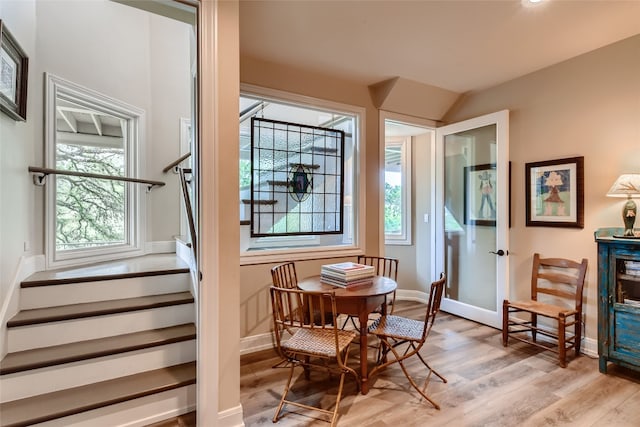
105 345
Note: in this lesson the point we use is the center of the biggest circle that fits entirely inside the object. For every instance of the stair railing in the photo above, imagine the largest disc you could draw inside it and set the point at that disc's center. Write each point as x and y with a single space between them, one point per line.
184 185
40 177
188 207
176 162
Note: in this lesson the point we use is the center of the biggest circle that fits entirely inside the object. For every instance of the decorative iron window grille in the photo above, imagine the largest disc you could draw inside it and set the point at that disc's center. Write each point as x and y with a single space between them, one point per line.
297 179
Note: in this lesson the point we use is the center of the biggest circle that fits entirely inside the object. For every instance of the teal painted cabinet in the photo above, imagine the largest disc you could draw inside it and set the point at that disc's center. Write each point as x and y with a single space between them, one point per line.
618 299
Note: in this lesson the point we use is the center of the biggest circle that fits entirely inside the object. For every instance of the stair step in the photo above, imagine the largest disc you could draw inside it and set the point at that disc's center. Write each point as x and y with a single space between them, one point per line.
102 290
72 401
148 265
78 311
67 353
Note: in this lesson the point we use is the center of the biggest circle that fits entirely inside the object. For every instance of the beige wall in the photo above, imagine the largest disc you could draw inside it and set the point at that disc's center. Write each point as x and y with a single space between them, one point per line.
255 280
587 106
17 151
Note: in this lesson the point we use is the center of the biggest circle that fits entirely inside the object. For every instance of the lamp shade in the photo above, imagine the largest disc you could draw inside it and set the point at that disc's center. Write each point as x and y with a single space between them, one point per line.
627 185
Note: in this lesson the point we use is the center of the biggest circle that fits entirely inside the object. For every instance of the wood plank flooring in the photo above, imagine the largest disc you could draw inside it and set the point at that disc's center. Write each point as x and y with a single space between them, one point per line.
488 385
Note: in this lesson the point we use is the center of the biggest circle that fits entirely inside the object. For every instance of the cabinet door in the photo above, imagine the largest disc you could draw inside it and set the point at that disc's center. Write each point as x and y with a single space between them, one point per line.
624 303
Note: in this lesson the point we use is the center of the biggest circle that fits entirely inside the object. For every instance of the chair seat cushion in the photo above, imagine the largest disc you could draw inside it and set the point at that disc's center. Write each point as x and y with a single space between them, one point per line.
318 341
399 328
548 310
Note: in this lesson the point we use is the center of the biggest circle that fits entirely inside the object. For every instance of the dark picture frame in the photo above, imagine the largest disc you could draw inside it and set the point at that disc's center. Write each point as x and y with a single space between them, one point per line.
555 193
14 67
479 194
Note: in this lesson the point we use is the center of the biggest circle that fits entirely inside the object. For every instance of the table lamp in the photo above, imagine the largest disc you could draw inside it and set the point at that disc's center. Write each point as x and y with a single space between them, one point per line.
627 185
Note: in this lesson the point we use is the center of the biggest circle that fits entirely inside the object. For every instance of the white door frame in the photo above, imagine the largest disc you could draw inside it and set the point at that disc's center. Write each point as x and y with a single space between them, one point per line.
501 120
413 121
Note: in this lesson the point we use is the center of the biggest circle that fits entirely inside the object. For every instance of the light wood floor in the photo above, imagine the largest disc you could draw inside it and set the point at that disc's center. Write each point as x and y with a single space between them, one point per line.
488 385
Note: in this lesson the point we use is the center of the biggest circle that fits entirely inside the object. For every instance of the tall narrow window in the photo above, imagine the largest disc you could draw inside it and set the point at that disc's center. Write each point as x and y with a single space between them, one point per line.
90 218
397 191
90 212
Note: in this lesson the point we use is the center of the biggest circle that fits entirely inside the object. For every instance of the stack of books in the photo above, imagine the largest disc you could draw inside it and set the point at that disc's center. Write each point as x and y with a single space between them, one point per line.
347 274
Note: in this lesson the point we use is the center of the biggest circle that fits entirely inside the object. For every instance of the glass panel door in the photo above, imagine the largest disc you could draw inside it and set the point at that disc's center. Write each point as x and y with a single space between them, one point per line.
474 222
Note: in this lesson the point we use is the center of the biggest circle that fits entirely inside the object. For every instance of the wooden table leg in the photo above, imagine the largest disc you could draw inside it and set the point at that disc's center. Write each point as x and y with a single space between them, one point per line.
364 380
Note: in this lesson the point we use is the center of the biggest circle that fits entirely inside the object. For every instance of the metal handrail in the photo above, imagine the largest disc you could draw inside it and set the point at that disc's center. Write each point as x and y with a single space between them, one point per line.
176 162
40 174
188 208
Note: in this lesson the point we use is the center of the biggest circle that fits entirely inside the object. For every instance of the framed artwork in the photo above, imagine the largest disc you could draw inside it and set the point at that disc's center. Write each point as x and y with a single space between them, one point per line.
13 76
480 195
555 193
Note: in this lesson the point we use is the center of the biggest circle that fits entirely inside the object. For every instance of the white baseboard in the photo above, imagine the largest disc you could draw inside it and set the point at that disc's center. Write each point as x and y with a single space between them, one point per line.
589 347
27 265
185 253
256 343
232 417
160 247
409 295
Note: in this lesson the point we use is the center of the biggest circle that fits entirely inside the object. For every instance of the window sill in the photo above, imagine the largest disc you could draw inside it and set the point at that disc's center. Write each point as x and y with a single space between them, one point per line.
275 256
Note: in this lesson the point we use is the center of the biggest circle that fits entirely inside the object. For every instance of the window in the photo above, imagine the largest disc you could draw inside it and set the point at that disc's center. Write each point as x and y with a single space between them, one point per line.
90 219
397 191
268 107
297 176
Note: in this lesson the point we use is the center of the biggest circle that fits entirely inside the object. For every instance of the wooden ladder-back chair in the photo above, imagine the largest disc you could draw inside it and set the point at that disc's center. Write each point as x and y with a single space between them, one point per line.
311 344
387 267
395 332
556 293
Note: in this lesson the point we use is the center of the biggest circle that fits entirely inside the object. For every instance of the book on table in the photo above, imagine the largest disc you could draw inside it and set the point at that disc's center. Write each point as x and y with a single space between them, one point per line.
347 270
347 274
346 283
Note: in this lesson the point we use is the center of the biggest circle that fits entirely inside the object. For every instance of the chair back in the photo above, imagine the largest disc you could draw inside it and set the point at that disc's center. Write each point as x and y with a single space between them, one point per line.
284 275
562 279
387 267
433 305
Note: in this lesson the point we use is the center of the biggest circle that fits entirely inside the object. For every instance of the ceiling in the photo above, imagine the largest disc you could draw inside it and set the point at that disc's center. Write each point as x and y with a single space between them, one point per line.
460 46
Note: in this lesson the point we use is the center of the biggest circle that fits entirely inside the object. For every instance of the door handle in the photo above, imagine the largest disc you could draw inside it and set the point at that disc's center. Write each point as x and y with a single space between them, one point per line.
499 252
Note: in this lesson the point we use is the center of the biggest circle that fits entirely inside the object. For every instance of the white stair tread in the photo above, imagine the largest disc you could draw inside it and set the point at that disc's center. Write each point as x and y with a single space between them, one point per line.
148 265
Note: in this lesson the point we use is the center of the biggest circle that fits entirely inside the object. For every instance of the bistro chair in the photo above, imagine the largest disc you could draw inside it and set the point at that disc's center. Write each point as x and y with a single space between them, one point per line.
310 344
284 275
396 333
556 294
387 267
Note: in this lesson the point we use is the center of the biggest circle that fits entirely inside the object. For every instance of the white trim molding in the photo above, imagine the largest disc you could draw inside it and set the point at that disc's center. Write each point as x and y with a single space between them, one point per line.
410 295
352 246
133 125
232 417
27 265
256 343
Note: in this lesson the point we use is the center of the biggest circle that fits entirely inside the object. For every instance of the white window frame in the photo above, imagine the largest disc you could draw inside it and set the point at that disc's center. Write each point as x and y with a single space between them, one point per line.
404 237
135 203
355 245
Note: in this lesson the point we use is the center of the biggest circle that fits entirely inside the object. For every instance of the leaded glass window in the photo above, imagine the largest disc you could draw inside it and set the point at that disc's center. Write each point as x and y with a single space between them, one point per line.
297 185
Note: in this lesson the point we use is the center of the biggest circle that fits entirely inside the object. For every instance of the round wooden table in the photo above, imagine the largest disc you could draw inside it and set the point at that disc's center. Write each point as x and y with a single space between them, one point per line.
360 301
